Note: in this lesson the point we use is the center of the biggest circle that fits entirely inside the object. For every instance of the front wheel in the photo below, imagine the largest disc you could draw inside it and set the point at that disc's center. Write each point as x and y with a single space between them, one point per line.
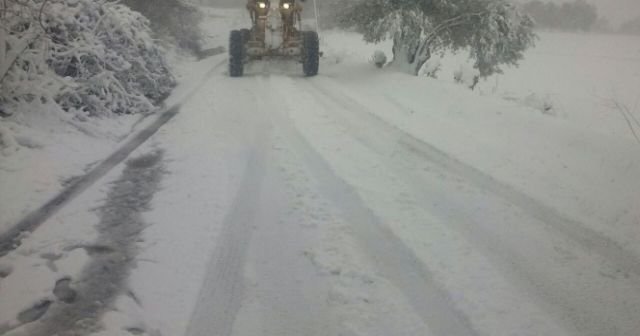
236 53
246 34
311 53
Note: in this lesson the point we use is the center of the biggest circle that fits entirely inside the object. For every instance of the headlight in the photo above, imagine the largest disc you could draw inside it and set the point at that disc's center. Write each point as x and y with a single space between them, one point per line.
262 5
286 5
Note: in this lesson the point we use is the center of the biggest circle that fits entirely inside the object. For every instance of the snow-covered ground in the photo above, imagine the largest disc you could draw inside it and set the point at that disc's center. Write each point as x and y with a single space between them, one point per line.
50 150
358 202
580 77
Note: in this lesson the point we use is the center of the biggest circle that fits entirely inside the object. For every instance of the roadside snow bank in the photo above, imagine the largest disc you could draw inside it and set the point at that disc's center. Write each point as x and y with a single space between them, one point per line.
76 238
41 151
66 68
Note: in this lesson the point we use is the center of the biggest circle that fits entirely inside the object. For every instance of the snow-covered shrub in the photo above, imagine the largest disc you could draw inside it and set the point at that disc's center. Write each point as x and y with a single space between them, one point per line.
379 59
467 76
89 56
543 104
431 67
24 74
110 53
7 142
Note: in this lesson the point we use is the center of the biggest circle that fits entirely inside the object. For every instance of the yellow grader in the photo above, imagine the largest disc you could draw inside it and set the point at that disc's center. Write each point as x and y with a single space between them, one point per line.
275 32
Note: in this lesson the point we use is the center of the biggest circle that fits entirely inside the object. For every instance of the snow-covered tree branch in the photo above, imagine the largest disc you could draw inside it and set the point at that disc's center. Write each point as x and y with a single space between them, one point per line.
493 31
93 57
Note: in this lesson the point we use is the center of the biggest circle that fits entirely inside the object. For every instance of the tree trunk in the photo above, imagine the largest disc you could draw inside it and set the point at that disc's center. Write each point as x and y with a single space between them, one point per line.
410 57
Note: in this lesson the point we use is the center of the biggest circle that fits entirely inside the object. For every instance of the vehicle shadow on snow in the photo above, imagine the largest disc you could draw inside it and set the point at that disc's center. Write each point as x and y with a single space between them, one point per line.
273 66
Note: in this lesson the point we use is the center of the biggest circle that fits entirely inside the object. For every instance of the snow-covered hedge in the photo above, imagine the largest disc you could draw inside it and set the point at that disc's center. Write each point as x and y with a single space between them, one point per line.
92 57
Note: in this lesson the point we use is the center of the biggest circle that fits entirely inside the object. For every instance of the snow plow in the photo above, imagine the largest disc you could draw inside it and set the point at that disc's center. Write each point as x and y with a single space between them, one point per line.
276 32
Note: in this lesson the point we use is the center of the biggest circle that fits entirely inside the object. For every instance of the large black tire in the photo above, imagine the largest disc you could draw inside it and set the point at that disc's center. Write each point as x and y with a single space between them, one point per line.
310 53
246 34
236 53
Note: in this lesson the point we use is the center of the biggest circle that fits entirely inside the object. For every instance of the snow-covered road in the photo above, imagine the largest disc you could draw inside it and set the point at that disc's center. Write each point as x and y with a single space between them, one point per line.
504 262
357 203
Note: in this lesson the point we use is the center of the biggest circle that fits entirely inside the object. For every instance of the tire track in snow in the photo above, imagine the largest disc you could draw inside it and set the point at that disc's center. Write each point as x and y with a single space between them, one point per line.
507 259
10 239
289 297
573 230
286 304
390 255
221 293
585 319
285 295
222 289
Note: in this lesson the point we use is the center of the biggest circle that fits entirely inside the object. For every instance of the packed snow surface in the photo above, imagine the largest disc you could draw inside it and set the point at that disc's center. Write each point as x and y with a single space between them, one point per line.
359 202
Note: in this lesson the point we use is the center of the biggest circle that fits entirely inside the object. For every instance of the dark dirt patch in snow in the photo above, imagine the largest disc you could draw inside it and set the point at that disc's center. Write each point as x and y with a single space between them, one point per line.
64 292
51 259
11 239
111 257
98 249
93 249
5 270
135 331
211 52
34 313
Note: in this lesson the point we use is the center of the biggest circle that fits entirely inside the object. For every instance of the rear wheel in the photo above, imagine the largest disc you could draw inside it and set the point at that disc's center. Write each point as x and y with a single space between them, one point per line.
311 53
236 53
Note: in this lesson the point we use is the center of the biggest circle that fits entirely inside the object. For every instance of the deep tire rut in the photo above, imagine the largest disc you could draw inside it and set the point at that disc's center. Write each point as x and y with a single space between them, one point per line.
391 256
222 290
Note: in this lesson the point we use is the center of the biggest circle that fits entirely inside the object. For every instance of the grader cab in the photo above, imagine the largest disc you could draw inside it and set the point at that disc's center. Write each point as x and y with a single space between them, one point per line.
276 32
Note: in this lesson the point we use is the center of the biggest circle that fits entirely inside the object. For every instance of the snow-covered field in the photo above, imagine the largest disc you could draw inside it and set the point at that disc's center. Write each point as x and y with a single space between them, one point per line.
359 202
581 77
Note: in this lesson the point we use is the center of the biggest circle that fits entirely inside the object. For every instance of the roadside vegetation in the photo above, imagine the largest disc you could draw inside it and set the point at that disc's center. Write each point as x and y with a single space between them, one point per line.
494 32
87 58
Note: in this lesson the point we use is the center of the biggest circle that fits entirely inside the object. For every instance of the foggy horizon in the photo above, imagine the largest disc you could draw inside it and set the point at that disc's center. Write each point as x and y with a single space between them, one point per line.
616 11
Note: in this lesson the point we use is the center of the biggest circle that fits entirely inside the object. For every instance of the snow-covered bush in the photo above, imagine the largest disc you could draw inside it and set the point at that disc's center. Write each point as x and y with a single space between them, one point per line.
431 68
467 76
542 103
93 57
7 142
24 74
379 59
